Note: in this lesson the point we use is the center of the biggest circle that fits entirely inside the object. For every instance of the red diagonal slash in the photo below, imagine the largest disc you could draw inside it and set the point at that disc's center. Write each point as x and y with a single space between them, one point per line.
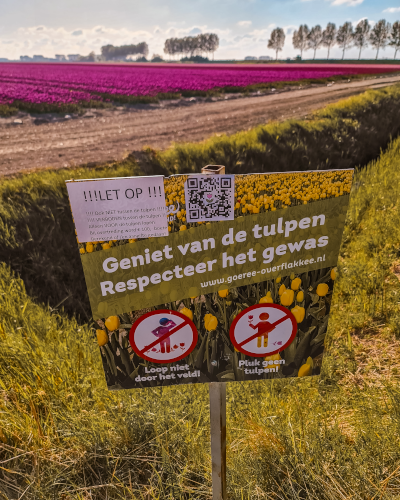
165 336
260 335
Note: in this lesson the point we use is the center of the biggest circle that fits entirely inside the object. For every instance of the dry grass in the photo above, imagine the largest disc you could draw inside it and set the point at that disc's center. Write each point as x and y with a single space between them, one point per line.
331 438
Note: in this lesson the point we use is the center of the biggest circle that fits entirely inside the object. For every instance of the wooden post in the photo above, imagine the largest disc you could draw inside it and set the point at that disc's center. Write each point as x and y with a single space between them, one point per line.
218 439
213 169
217 410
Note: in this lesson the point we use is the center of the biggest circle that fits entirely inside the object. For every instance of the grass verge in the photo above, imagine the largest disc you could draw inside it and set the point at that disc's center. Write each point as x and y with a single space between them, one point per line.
35 221
64 436
342 135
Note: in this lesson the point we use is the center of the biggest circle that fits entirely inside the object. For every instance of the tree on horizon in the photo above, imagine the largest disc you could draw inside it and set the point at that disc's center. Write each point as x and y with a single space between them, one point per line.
344 37
361 35
212 42
111 52
300 38
277 40
192 45
395 37
379 35
314 38
329 36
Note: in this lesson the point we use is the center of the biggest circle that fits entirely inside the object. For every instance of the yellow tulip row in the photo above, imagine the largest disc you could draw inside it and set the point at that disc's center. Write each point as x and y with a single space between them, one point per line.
254 193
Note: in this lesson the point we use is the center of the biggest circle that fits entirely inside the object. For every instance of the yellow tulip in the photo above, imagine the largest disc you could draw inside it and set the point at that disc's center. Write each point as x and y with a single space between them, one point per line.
287 297
267 299
211 324
105 246
300 296
299 313
304 370
223 293
282 288
81 250
112 323
274 357
89 247
334 273
322 289
187 312
295 285
278 280
207 317
102 337
182 228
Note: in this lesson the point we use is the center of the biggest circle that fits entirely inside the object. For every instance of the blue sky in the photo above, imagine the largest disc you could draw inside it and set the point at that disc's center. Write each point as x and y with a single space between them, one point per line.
50 27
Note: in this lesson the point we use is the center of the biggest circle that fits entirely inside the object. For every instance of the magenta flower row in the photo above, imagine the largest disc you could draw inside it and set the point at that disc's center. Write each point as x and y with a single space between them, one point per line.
74 83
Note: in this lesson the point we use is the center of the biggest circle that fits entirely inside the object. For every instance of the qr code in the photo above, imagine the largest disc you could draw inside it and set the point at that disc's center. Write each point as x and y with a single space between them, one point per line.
210 198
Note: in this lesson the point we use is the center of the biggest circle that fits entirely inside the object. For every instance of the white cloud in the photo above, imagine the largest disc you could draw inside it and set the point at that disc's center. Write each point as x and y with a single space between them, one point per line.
244 24
392 10
351 3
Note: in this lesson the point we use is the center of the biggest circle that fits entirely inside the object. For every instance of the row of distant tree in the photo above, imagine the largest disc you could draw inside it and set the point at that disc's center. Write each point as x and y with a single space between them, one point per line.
191 46
188 46
110 52
378 36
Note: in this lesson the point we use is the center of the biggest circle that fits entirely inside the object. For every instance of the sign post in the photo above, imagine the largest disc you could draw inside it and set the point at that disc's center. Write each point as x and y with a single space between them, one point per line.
217 392
210 278
218 438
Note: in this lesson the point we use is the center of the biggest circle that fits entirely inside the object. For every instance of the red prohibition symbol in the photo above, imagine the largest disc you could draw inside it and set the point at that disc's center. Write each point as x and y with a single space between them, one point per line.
163 336
263 330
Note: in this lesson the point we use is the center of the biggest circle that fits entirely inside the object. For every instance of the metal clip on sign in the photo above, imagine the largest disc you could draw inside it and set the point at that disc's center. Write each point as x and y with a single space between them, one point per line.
217 391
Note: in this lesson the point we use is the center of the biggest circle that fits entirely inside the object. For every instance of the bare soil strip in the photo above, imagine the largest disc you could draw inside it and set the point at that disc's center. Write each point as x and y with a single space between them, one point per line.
107 135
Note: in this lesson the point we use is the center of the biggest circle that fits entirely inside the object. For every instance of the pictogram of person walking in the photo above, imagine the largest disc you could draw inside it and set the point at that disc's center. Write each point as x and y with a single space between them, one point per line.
166 326
263 327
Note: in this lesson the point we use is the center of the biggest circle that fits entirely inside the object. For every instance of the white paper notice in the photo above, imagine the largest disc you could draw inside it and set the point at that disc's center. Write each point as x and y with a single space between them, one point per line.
118 209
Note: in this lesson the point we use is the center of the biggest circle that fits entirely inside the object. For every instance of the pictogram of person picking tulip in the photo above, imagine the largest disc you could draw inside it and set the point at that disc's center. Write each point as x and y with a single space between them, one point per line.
263 327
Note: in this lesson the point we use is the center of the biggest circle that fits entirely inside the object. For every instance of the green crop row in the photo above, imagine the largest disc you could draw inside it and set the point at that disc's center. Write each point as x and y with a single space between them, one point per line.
63 435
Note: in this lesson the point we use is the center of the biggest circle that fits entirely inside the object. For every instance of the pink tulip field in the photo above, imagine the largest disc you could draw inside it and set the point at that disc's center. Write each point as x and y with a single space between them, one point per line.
58 84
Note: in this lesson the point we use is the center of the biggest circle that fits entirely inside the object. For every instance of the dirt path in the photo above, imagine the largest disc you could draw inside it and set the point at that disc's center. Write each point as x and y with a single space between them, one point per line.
106 135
